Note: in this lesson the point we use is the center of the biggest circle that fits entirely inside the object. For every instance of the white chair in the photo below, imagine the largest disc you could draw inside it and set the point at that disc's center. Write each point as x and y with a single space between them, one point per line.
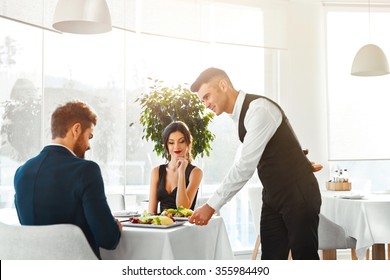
52 242
255 202
331 237
116 201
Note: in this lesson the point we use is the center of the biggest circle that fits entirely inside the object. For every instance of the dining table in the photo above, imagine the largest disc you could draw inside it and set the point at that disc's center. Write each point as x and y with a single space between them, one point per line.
363 216
183 242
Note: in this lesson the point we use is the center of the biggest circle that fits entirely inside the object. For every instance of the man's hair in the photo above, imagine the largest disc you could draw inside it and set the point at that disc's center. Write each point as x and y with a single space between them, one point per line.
66 115
183 128
206 77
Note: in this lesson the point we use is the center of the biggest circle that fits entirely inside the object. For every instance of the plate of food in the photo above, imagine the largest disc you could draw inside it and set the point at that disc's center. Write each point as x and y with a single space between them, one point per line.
152 221
179 214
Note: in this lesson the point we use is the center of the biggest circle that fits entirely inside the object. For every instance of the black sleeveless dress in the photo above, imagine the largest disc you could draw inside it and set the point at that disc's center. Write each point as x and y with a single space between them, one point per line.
168 200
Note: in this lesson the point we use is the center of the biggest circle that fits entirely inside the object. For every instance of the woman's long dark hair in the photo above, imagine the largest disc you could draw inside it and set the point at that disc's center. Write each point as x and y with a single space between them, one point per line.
183 128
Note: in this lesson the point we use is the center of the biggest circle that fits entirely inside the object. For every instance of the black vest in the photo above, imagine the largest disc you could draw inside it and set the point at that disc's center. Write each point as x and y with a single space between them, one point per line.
283 168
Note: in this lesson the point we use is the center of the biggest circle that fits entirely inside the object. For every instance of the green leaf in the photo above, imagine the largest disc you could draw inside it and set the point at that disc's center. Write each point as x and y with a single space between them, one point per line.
166 104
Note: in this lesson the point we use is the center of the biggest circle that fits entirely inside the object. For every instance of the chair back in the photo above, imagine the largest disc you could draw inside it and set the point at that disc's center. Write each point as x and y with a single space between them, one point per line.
51 242
116 201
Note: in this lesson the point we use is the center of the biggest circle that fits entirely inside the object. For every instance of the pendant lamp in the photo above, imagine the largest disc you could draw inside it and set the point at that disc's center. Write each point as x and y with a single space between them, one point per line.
82 16
370 60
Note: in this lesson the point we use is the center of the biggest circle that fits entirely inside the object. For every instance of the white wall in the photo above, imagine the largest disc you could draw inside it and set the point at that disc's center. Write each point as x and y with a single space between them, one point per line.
297 28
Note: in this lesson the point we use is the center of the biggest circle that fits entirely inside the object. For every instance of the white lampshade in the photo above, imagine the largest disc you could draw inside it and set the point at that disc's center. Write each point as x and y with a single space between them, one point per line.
370 60
82 16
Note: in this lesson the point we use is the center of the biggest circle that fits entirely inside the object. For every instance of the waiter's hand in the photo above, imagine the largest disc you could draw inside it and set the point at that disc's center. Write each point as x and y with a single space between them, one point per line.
316 166
202 215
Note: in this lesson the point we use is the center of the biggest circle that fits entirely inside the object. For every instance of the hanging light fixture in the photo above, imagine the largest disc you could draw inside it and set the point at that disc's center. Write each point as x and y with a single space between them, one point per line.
370 60
82 16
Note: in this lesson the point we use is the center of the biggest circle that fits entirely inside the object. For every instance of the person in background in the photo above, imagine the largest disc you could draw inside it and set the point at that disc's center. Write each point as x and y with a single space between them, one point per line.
291 195
175 183
59 186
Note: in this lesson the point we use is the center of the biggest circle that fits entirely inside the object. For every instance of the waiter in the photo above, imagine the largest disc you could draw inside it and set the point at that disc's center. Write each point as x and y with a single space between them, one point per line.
291 196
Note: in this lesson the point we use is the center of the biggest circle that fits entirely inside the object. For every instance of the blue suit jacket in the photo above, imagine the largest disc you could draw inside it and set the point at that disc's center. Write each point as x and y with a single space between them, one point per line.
56 187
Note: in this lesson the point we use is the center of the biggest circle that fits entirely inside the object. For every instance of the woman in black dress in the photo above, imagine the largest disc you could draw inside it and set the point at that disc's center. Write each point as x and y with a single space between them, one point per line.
175 183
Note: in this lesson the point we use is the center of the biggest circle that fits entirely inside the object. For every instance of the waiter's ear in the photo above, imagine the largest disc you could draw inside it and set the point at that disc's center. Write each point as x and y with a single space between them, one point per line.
223 85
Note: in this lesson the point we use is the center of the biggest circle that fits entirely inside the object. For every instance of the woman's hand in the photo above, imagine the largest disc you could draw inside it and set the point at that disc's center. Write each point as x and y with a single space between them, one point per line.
181 164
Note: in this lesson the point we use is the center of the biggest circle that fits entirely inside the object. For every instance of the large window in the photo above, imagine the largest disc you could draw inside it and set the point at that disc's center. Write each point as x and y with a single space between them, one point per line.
40 69
20 96
358 111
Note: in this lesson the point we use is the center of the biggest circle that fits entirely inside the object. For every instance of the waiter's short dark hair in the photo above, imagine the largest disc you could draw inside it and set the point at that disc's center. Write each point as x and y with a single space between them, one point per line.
206 76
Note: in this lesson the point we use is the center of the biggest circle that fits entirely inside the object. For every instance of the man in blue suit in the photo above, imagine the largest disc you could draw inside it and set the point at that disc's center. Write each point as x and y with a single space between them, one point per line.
59 186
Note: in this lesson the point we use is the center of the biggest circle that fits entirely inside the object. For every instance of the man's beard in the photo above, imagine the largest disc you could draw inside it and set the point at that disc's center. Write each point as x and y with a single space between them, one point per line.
78 150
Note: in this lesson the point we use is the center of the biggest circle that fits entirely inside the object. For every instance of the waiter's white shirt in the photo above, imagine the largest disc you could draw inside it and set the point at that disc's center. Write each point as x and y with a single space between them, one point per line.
261 122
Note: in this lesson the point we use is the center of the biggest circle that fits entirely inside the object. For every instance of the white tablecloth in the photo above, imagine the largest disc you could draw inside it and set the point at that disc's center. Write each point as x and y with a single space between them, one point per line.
367 219
185 242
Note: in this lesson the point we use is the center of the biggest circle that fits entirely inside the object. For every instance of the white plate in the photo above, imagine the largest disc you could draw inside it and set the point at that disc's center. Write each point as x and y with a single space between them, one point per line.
175 224
382 192
352 196
125 213
180 218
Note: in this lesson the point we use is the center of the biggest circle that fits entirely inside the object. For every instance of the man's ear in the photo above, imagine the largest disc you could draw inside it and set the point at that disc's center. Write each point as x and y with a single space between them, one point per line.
76 130
223 85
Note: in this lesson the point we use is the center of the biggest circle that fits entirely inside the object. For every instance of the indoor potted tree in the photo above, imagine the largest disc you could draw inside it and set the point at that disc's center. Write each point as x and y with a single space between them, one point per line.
163 104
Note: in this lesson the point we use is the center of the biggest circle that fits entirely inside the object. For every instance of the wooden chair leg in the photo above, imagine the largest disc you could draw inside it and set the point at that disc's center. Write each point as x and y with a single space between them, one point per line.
256 249
353 254
378 251
388 251
329 255
354 257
